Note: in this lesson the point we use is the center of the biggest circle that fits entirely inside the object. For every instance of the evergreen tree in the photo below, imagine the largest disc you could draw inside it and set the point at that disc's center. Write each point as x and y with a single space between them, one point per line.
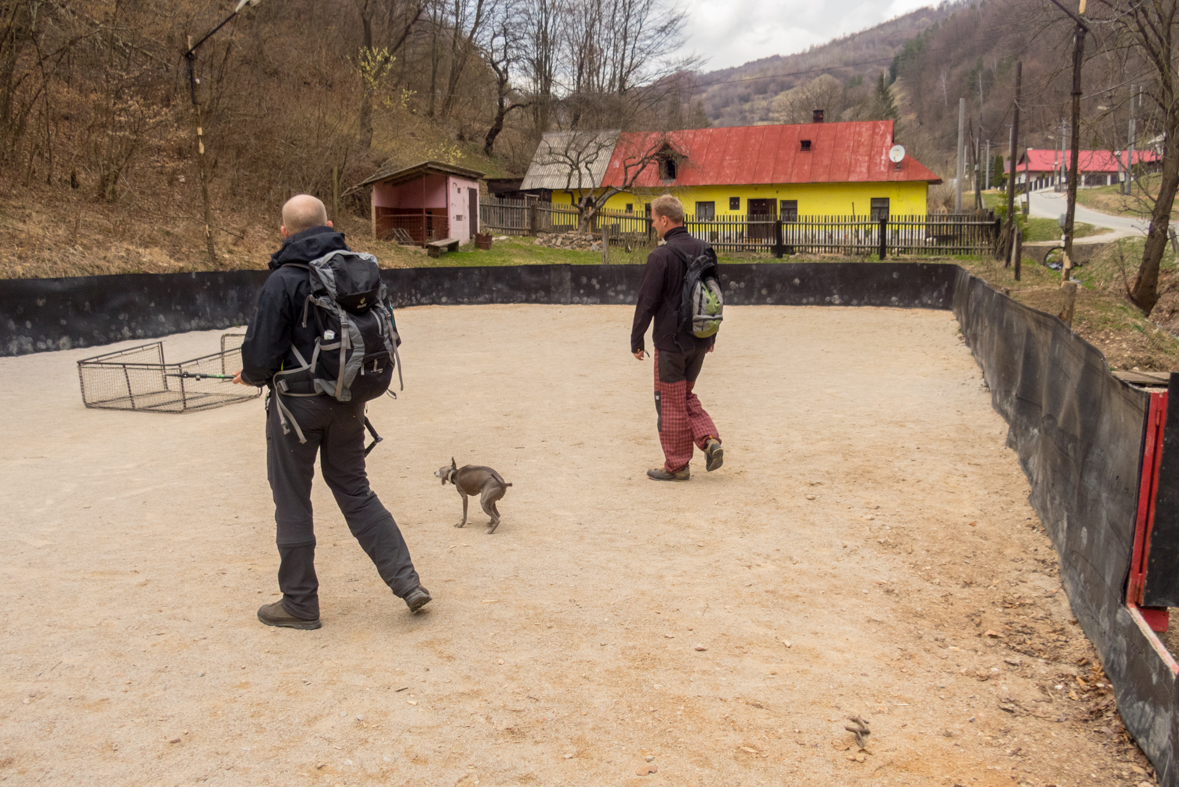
886 106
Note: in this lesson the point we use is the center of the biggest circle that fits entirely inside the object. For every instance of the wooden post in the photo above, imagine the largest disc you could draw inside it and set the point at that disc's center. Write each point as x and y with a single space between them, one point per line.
1018 253
605 244
1075 153
1012 169
533 218
961 173
1069 290
883 237
202 166
779 247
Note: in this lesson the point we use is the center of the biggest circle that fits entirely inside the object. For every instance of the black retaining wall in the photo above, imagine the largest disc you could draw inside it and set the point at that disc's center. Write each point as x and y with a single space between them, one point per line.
1078 430
56 314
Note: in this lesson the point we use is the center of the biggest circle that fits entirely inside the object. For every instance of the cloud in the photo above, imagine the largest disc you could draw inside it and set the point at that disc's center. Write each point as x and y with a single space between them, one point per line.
735 32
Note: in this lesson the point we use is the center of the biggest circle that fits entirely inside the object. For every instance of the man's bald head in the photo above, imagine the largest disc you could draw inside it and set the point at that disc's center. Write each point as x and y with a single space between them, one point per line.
302 212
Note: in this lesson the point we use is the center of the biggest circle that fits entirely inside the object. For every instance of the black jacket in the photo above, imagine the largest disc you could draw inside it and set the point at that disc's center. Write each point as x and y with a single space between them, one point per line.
277 324
660 295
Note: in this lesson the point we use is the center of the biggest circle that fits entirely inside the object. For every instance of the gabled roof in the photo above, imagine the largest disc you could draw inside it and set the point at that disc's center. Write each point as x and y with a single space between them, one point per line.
855 152
1038 160
399 176
570 160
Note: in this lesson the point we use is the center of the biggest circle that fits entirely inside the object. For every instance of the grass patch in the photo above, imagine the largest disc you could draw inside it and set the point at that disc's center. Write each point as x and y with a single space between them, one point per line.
1035 229
1104 315
1137 204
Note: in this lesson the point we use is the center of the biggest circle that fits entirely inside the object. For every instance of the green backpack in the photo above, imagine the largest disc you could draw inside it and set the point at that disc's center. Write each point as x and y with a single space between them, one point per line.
703 302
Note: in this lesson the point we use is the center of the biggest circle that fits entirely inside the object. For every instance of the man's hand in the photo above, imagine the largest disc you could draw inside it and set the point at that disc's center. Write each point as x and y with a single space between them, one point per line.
640 354
711 347
237 378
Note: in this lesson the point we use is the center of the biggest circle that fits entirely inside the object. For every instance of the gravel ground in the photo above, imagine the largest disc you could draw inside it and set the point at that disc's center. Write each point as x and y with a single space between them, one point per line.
867 550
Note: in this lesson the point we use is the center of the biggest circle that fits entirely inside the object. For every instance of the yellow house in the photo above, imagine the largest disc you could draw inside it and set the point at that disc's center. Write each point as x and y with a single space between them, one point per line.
806 169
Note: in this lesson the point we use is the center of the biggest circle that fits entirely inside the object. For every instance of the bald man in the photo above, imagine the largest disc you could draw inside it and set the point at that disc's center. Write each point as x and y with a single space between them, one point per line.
333 429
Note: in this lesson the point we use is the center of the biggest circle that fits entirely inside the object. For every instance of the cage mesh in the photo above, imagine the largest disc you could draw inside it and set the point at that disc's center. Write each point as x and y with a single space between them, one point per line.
138 378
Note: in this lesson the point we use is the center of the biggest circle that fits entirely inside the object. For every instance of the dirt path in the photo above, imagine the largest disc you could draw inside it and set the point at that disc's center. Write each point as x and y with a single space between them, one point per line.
866 550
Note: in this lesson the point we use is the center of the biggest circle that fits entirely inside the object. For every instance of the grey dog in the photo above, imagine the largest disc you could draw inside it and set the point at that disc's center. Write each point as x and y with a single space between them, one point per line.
476 480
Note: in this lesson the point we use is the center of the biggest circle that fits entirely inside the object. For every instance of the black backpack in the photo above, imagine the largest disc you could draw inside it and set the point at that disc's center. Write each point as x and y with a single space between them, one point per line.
356 342
702 302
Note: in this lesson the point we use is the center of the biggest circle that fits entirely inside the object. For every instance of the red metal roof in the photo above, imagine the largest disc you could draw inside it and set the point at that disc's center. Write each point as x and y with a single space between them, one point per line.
754 155
1035 160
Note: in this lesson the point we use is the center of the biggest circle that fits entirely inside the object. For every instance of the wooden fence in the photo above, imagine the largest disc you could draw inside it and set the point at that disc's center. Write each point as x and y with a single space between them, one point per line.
934 234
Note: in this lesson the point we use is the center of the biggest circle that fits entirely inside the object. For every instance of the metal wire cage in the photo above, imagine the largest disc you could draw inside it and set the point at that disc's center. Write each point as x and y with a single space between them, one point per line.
139 379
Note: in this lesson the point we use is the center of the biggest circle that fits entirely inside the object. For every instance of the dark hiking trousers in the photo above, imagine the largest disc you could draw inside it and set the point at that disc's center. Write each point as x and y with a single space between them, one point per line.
334 430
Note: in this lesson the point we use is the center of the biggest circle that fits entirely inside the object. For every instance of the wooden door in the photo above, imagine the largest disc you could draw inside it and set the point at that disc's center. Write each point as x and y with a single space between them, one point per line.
473 210
762 210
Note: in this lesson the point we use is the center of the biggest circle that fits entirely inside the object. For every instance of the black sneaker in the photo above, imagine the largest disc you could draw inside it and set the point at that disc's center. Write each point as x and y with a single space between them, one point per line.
662 474
715 454
276 615
417 598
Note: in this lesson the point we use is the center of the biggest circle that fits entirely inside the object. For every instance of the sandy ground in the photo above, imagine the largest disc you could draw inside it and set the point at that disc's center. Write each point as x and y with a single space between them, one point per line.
867 549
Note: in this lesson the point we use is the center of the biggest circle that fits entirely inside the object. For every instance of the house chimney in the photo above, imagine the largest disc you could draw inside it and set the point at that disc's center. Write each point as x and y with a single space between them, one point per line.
818 116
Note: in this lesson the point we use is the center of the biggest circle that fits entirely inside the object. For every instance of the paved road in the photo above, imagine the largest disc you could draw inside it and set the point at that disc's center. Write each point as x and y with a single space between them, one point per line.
1049 205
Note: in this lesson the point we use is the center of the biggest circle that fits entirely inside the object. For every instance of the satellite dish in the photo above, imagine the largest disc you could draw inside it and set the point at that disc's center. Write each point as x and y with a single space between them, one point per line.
896 154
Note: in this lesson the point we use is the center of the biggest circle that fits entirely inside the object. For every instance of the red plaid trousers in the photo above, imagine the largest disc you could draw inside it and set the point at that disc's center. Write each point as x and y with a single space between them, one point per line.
682 421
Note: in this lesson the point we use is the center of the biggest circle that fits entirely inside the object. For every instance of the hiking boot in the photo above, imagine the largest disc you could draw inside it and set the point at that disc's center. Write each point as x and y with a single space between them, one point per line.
276 615
715 454
417 598
662 474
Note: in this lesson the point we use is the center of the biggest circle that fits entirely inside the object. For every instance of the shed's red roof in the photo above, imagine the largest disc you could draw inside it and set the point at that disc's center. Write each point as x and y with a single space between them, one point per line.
1036 160
753 155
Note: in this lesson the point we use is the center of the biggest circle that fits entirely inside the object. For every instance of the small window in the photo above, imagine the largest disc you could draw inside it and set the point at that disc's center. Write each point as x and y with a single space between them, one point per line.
630 207
734 203
667 169
879 208
806 146
647 209
788 209
705 211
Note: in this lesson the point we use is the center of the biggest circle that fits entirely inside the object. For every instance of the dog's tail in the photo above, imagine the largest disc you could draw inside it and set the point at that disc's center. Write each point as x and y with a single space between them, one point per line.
506 483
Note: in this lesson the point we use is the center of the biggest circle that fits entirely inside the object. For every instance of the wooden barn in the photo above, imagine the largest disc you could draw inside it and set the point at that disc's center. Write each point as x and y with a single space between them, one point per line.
430 201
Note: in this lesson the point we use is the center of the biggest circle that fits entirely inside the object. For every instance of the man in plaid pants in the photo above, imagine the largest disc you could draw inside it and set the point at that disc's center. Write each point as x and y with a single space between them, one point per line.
679 355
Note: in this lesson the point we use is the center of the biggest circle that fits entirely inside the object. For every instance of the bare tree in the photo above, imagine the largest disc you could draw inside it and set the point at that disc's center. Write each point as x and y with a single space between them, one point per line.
501 54
468 19
394 22
584 156
1149 28
540 28
612 53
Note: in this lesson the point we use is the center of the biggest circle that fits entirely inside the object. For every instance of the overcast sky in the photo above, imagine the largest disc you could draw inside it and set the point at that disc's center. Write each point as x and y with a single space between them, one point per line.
732 32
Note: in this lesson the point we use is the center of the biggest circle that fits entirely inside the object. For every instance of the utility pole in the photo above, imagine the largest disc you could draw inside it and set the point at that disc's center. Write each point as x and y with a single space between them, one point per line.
1127 187
1075 153
1009 228
961 154
1062 170
190 59
990 166
978 200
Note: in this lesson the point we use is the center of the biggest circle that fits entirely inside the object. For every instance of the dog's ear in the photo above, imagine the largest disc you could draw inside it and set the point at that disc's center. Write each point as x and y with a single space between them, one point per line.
453 466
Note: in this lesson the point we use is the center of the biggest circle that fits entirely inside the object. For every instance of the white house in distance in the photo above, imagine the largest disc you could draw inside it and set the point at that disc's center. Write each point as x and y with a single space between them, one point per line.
426 202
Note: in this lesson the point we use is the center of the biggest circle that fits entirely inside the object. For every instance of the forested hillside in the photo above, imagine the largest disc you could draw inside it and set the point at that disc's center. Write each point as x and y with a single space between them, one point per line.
98 142
744 95
927 60
98 127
